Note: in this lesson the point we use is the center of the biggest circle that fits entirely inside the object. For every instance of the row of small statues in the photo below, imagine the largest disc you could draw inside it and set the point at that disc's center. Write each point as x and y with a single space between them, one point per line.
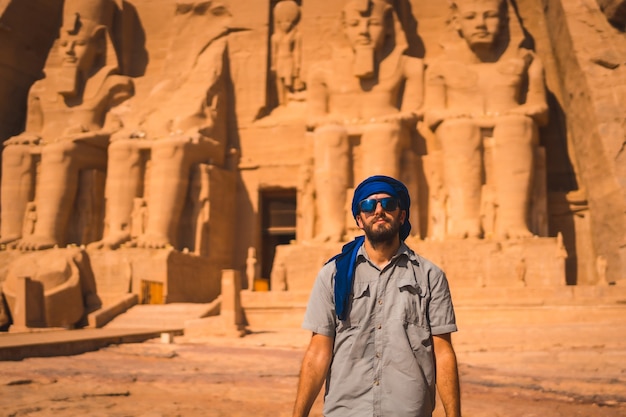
485 86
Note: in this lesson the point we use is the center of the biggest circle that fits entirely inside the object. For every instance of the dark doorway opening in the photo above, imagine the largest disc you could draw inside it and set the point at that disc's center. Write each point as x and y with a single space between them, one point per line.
278 224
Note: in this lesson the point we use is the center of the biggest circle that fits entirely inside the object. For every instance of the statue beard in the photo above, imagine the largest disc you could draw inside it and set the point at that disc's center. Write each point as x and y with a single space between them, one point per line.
67 80
364 61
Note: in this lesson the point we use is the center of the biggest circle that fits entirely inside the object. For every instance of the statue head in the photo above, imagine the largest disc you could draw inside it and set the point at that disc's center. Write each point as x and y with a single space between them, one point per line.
479 22
367 25
286 15
84 44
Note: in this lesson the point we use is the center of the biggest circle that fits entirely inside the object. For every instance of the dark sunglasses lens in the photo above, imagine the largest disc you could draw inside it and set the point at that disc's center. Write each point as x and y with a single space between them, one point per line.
389 203
368 206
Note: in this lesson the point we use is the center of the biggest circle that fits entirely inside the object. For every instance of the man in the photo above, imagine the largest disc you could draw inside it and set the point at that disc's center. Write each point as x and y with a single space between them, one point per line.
381 318
68 126
371 89
485 98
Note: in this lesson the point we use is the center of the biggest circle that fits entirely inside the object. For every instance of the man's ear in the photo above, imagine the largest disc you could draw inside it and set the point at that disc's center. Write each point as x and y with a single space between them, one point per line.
403 215
359 222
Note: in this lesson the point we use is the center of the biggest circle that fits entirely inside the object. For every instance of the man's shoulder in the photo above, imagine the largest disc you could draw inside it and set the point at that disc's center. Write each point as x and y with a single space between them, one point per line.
419 260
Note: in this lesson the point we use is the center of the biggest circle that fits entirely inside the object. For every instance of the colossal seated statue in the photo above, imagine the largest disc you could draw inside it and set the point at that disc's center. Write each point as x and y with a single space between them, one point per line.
68 127
358 93
182 124
486 91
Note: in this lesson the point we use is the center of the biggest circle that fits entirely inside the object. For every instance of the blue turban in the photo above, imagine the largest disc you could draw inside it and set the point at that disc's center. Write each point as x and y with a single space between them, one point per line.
345 262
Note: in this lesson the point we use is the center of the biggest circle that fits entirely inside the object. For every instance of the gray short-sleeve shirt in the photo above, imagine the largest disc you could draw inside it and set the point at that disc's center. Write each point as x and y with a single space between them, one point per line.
383 361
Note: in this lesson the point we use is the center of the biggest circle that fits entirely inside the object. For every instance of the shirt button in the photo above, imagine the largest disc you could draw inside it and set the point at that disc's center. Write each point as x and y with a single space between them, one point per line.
380 302
376 382
378 355
379 326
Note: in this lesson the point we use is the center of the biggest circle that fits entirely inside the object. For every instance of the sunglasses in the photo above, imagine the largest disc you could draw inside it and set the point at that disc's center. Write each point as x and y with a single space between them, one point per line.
369 205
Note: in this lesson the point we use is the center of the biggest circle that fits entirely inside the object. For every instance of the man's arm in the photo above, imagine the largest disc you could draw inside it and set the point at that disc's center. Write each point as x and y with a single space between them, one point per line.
447 375
313 373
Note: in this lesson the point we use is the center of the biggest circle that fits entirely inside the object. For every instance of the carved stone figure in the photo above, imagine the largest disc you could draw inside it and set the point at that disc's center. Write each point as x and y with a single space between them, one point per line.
184 124
486 98
251 267
286 49
357 93
68 127
54 288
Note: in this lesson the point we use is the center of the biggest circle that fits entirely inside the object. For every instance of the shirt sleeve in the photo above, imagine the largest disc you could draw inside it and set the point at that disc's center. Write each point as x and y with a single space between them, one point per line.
440 310
320 312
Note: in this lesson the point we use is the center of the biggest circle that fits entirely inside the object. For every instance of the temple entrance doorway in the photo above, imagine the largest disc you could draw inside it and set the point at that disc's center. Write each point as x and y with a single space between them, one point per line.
278 225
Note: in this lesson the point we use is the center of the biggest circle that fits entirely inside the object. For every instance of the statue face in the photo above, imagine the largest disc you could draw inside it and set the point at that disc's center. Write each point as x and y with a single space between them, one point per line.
78 50
479 21
284 23
365 29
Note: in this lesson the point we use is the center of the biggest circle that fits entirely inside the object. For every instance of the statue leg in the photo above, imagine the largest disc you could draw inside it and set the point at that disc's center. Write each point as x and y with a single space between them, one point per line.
124 183
331 150
167 189
381 145
462 152
17 190
61 163
514 140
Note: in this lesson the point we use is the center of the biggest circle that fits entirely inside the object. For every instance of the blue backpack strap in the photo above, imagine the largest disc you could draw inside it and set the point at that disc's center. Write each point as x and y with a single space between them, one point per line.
344 276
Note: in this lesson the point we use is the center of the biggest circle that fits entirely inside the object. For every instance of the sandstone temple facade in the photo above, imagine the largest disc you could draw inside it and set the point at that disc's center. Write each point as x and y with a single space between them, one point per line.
151 145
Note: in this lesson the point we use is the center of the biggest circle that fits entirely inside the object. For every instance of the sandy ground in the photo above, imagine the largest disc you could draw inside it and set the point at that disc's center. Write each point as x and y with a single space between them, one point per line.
538 371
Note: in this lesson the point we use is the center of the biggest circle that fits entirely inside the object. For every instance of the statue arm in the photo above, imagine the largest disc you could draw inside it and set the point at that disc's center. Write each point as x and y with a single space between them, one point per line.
34 117
535 105
274 61
438 107
34 121
536 96
297 53
413 99
435 97
317 99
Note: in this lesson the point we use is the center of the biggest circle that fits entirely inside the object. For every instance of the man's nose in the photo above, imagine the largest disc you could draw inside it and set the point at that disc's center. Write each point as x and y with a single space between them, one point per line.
379 207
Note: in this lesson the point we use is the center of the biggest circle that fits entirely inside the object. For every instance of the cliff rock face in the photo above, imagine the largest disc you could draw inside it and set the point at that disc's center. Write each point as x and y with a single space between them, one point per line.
187 135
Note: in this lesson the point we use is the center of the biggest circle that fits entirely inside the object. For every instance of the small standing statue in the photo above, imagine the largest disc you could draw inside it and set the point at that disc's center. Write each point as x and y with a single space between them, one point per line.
251 267
286 49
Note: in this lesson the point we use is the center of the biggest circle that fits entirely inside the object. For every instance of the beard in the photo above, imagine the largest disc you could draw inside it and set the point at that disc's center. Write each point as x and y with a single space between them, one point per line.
364 61
378 233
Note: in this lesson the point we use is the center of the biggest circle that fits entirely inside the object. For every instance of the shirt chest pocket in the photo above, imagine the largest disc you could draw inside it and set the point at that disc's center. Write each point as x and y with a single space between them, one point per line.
359 307
410 304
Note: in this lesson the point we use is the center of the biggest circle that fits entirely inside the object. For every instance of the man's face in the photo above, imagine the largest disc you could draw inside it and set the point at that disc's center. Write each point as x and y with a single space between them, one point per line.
380 225
479 21
365 29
